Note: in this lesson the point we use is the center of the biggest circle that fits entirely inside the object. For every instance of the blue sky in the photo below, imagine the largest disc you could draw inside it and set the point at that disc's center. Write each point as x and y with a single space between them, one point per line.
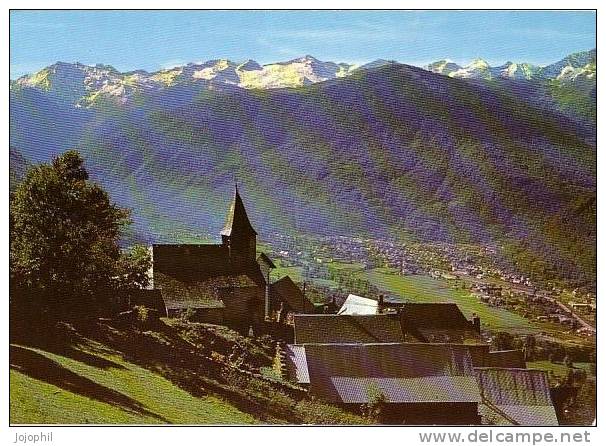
158 39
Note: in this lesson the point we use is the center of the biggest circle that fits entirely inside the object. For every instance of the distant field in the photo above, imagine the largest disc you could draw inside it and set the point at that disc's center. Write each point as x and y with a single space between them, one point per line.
327 283
416 288
345 266
295 273
46 388
557 368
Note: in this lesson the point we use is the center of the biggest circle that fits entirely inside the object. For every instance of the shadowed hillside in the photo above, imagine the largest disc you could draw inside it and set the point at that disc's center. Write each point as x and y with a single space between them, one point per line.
394 151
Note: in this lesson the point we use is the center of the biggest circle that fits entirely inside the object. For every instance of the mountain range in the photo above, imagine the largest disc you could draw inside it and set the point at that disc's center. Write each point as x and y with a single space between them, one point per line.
382 150
84 85
577 67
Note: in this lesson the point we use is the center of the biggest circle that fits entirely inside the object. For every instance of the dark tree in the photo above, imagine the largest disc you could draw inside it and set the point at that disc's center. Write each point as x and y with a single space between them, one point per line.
530 344
503 341
64 255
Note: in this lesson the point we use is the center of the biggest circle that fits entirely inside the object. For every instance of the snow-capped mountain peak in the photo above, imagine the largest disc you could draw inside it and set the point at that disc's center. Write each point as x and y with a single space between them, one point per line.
249 65
574 67
85 85
444 67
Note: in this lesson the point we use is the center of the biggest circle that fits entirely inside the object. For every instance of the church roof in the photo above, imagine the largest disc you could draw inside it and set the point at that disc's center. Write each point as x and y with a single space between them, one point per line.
191 262
237 220
265 260
201 293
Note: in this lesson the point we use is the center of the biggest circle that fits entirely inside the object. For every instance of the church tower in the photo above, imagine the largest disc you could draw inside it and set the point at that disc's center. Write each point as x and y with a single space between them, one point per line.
238 234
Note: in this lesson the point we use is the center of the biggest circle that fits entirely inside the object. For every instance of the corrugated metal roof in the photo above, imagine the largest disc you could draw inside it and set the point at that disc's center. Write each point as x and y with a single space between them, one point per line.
342 329
521 394
356 305
390 359
427 389
296 363
404 371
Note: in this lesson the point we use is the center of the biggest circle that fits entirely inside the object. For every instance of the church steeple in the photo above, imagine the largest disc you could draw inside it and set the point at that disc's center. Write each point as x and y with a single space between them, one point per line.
237 221
238 234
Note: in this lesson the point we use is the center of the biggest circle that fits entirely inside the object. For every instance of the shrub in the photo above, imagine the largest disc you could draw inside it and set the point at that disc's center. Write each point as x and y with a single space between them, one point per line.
145 317
141 315
188 315
376 401
315 412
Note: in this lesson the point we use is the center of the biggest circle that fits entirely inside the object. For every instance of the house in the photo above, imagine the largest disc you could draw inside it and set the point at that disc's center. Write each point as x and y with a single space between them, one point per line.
446 326
422 383
514 396
439 322
418 383
353 361
218 283
335 329
489 290
288 297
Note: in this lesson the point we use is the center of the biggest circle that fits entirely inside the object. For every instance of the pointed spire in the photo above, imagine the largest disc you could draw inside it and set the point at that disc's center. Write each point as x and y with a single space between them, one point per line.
237 221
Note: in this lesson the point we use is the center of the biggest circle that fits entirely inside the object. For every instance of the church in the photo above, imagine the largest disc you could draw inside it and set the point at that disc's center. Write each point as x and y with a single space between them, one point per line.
226 283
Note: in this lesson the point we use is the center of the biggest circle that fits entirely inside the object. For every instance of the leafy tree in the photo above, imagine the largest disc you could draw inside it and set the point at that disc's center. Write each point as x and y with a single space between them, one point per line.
65 259
135 265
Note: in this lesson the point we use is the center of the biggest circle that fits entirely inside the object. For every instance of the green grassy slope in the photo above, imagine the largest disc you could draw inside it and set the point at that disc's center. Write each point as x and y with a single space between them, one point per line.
170 371
67 391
